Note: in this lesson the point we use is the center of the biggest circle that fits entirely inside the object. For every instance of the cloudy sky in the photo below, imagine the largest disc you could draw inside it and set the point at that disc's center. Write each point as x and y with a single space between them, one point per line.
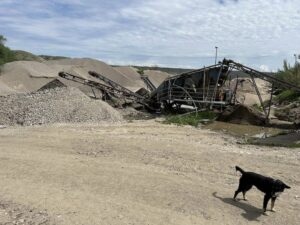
178 33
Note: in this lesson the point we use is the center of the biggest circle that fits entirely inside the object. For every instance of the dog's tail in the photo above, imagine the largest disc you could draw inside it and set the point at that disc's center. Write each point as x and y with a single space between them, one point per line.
239 169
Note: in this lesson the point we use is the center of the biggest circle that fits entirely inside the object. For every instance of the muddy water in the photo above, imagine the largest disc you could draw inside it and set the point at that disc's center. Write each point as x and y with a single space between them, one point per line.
258 134
242 130
289 140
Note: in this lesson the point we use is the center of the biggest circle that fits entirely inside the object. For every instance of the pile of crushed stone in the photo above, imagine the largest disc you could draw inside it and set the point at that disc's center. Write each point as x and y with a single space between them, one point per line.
290 112
59 105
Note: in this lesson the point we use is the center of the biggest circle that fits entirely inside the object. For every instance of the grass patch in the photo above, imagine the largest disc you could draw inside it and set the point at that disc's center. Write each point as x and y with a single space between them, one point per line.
192 119
288 95
258 107
294 145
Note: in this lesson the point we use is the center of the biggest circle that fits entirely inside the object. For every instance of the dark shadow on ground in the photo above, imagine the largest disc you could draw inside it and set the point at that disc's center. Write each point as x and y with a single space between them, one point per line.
251 213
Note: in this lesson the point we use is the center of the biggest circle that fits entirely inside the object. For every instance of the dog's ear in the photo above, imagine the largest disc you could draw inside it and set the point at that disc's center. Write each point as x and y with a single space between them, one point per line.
285 186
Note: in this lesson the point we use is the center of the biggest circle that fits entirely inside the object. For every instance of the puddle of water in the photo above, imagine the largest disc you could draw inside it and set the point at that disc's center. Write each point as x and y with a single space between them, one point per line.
287 140
274 136
241 130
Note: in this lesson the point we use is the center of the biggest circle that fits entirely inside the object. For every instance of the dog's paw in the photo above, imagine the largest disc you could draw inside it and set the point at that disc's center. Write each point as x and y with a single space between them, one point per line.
273 210
245 199
234 199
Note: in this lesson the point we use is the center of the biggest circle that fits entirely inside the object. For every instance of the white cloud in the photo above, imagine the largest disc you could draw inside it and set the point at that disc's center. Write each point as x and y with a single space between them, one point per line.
255 32
264 68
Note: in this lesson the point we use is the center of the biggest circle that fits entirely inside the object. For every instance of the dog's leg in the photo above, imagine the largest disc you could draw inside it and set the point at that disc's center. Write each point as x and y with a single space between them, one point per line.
266 200
240 189
272 204
246 188
235 194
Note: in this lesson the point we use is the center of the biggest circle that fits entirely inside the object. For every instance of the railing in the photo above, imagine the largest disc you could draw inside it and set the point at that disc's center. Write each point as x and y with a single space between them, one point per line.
188 95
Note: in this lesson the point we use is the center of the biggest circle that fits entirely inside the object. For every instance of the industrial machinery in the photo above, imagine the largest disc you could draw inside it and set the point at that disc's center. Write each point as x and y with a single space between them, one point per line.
198 89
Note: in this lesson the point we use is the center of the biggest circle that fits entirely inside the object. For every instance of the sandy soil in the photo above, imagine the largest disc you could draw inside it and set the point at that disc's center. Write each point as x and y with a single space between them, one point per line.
137 173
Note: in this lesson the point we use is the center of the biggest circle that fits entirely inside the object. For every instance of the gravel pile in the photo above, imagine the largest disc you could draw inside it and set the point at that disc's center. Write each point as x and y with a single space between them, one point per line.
60 105
290 112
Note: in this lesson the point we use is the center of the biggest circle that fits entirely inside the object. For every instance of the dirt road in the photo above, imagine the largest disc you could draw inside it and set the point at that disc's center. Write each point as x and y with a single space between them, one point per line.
137 173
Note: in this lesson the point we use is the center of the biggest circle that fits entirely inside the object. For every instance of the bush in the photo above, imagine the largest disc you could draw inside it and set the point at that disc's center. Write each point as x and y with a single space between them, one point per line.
288 95
289 73
6 55
141 71
192 119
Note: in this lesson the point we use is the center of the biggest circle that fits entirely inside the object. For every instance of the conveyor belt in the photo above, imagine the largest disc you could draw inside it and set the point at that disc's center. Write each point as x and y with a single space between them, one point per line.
148 83
126 92
104 88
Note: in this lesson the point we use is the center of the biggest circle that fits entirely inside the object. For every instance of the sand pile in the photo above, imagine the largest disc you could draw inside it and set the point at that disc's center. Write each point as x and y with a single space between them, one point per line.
156 77
30 76
241 114
82 66
132 74
246 93
5 90
26 76
60 105
30 68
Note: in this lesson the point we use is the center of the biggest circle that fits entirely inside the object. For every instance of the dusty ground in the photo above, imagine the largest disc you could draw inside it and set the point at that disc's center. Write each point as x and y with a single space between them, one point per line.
136 173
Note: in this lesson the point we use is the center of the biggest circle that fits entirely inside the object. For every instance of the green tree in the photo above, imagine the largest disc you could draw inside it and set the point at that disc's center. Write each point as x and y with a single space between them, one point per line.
2 40
6 55
290 73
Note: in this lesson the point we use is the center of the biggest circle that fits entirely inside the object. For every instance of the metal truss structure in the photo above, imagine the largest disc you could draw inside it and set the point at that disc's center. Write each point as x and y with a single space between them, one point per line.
200 89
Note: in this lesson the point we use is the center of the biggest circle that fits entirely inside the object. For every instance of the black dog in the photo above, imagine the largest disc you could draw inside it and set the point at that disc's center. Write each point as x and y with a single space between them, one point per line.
272 188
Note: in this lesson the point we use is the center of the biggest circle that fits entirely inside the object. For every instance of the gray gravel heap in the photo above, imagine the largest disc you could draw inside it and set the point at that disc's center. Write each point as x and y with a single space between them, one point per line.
60 105
290 112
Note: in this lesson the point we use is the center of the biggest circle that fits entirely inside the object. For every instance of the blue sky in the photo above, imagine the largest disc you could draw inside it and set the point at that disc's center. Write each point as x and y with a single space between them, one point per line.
258 33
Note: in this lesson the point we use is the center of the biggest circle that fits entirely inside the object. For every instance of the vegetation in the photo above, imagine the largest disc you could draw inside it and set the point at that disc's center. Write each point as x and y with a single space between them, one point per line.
48 57
140 71
258 107
26 56
290 73
2 40
6 55
192 119
287 96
